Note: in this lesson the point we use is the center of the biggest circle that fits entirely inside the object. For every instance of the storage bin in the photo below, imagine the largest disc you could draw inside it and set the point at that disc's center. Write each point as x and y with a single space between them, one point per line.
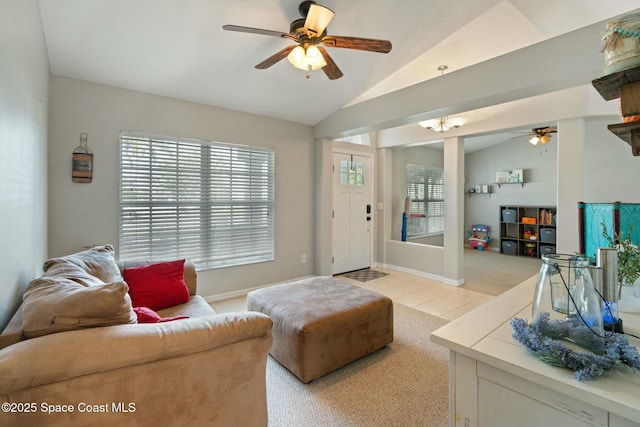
509 215
528 220
546 250
548 235
509 248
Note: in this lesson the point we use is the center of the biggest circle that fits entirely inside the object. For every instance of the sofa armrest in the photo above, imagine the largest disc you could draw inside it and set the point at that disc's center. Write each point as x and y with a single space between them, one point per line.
67 355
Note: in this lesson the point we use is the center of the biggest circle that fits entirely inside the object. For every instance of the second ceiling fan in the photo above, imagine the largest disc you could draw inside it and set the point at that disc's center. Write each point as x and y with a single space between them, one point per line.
310 33
542 135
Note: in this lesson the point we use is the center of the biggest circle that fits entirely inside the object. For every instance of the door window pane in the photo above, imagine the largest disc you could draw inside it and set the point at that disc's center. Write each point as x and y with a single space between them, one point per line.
351 173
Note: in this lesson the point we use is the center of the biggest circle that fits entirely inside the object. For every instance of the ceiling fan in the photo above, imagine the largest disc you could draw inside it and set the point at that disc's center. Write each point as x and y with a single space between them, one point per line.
310 32
542 135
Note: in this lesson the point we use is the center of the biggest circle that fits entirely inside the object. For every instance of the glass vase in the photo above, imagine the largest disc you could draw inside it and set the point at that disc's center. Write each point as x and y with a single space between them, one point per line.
565 303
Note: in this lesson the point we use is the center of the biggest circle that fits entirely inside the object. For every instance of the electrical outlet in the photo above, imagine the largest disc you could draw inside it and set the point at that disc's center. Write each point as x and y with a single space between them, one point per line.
303 260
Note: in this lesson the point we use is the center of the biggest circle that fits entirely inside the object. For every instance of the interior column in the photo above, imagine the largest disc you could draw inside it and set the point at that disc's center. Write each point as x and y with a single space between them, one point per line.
454 211
570 183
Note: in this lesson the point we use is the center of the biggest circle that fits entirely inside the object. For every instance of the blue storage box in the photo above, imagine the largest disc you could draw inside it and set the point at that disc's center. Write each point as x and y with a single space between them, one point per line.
547 235
546 250
509 248
509 215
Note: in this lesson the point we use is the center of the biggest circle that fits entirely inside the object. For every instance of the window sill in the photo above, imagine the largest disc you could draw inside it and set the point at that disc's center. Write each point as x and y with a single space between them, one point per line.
422 236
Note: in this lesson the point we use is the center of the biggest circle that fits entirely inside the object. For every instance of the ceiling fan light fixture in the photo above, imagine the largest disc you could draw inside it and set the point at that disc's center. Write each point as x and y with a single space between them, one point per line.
540 138
303 58
314 57
317 20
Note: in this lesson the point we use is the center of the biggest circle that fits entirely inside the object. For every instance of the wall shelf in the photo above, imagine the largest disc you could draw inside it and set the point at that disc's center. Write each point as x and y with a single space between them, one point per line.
475 193
509 183
625 85
629 133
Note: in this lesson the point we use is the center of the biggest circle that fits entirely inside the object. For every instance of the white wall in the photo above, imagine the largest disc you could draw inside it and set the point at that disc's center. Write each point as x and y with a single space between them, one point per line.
83 214
611 173
481 166
24 80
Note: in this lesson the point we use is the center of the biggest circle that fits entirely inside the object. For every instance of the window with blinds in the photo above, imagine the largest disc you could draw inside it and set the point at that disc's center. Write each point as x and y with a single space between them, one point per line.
425 187
210 202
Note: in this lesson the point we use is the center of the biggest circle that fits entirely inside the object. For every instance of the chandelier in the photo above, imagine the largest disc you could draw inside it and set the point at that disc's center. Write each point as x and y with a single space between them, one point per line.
444 123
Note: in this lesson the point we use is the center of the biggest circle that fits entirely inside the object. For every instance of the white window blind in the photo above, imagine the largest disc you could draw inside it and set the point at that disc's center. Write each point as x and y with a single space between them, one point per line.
210 202
425 187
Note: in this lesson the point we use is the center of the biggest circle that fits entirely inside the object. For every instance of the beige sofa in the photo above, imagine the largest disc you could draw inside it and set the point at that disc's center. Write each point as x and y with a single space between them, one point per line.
208 370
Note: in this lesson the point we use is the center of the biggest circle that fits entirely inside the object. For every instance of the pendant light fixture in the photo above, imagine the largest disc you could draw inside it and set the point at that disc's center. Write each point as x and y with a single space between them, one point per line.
444 123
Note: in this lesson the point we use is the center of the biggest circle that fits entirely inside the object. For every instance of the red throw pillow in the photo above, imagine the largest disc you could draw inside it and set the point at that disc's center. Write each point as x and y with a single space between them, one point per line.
146 315
157 286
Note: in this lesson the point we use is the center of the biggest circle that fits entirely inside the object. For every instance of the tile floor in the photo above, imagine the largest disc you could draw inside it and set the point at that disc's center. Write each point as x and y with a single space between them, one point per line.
430 296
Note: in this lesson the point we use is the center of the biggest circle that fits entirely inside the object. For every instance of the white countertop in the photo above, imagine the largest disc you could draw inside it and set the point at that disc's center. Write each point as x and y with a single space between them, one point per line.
484 334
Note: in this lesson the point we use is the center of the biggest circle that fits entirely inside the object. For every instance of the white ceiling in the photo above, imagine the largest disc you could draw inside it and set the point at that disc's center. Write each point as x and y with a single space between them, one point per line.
177 48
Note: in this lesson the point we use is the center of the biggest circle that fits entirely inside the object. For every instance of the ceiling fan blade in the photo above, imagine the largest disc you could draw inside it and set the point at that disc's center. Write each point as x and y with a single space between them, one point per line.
545 130
331 69
275 58
317 20
372 45
260 31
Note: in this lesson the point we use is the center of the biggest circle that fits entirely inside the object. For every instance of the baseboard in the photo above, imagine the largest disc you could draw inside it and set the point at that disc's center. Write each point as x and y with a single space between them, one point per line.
458 282
419 273
243 292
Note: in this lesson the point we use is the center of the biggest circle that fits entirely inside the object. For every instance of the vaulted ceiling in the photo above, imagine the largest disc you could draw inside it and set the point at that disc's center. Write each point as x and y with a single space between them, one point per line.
177 48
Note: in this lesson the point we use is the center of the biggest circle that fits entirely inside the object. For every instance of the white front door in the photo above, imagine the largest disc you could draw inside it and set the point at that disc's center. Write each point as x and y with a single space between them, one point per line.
352 212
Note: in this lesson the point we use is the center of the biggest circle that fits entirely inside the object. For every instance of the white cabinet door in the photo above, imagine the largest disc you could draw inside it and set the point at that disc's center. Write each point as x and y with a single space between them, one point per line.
506 400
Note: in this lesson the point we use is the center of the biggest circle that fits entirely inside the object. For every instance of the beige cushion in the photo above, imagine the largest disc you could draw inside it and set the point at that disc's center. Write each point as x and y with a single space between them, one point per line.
83 266
56 304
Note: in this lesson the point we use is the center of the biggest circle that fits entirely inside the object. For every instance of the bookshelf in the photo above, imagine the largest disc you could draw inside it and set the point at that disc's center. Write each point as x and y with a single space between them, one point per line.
527 230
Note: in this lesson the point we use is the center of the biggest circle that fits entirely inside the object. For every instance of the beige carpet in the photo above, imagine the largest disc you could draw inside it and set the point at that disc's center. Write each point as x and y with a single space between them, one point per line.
493 273
403 384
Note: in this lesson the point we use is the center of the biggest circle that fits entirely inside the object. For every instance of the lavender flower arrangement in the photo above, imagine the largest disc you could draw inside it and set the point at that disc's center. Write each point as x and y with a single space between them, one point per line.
586 365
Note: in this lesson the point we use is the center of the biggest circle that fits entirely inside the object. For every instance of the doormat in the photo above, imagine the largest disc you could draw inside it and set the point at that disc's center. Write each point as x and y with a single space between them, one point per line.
365 275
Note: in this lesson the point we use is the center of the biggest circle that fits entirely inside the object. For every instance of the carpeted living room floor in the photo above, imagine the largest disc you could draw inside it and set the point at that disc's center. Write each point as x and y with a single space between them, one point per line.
405 383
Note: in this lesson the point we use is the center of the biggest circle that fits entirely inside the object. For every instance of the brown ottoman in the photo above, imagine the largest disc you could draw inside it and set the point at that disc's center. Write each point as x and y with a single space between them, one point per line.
321 324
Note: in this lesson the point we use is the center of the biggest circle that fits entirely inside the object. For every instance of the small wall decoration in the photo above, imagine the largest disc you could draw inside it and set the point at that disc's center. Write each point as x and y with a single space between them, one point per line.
514 176
82 162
